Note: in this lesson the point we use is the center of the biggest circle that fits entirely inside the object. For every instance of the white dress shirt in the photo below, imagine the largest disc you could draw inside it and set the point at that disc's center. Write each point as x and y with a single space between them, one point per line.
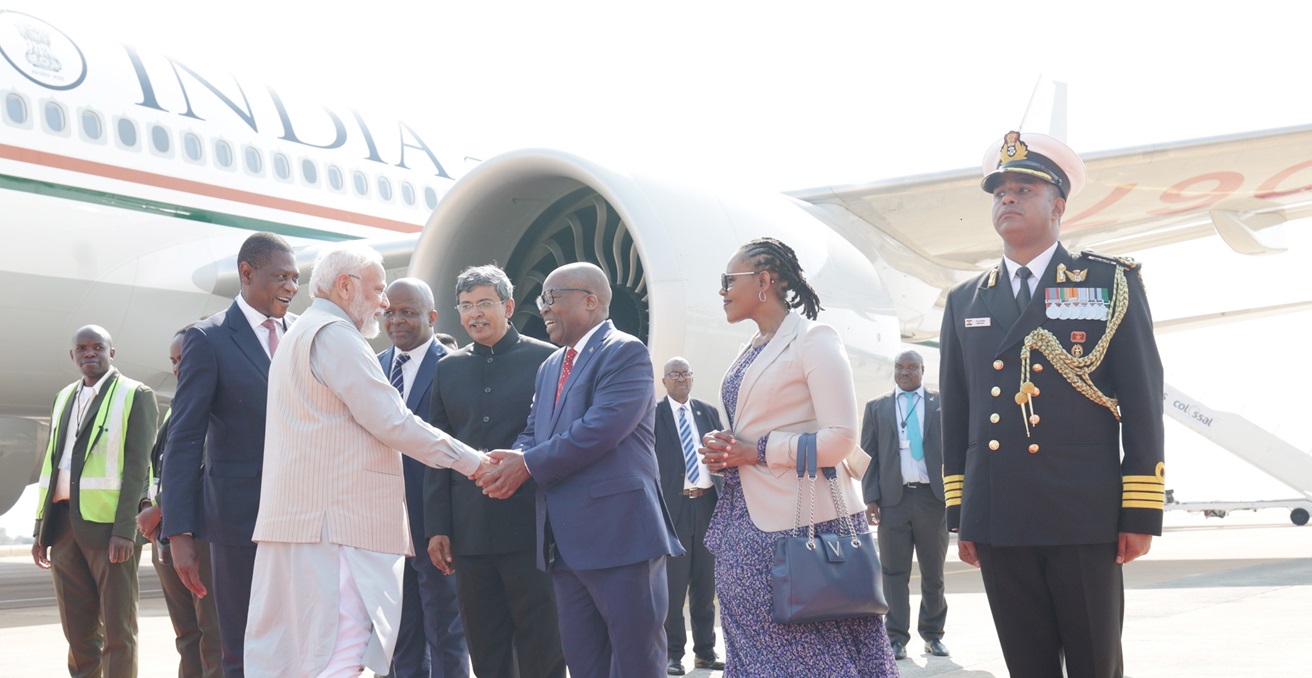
703 474
913 470
81 404
1038 266
411 367
256 319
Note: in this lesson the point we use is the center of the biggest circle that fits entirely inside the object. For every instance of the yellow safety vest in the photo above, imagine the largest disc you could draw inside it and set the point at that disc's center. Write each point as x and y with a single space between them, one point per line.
102 469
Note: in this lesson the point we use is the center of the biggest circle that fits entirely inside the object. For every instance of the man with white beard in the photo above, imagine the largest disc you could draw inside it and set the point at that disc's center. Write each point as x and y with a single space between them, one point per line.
332 526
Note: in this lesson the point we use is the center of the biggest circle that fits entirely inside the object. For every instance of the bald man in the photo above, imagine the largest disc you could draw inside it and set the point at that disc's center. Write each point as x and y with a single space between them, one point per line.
101 431
603 531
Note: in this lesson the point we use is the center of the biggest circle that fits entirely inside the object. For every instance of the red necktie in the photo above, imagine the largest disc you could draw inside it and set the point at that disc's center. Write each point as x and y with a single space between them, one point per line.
564 371
272 325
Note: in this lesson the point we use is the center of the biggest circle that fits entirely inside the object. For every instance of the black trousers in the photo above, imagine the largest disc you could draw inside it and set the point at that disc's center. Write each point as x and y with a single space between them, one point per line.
692 576
918 523
509 609
1055 603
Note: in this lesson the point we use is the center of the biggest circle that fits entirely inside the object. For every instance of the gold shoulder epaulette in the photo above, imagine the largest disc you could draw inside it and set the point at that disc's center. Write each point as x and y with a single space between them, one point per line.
1128 263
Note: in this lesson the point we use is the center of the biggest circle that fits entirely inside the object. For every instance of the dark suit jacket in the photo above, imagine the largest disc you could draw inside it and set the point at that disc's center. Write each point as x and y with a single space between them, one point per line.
418 401
214 456
669 449
136 466
883 481
593 456
482 395
1066 481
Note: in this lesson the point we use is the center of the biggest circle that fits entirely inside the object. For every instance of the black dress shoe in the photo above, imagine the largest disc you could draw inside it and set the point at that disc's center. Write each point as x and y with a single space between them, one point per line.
899 650
936 648
675 668
712 663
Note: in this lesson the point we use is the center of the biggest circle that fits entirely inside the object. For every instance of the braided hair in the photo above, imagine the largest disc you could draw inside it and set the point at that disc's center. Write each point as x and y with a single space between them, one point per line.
769 254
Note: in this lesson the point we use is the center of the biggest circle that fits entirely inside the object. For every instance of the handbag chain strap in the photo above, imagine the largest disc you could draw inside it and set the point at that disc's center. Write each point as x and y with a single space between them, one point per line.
840 503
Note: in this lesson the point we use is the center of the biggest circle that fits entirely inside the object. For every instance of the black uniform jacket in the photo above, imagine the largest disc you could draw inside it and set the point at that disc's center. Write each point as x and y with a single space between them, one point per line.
482 396
1079 476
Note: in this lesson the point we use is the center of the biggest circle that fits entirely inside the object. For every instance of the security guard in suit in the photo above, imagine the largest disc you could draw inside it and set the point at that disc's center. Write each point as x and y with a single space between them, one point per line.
1052 422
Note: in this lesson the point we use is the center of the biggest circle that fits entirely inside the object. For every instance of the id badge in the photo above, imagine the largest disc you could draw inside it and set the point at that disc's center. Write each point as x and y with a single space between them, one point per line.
904 444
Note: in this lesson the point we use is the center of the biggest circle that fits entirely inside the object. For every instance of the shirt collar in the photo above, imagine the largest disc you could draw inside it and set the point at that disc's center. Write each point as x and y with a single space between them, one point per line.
416 352
583 341
502 345
95 388
675 405
254 317
1038 265
919 391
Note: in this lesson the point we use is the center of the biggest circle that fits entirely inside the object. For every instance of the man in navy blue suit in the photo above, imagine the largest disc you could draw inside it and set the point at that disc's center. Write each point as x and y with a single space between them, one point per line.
602 527
431 639
215 449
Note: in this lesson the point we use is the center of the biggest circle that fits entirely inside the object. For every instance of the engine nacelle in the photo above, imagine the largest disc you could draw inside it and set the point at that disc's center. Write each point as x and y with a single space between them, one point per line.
663 245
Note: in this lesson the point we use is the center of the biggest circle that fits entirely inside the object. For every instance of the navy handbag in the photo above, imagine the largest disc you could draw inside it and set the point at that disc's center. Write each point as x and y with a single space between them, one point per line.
819 576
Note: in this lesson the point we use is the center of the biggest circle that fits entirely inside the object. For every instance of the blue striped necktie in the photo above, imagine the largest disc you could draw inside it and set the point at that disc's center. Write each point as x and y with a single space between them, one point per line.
398 378
689 447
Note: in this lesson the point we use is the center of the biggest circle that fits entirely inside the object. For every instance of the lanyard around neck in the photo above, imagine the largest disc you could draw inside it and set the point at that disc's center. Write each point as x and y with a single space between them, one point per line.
909 411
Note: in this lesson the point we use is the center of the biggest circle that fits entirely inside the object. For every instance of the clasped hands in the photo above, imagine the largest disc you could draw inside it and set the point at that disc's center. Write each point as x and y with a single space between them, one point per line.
721 450
501 473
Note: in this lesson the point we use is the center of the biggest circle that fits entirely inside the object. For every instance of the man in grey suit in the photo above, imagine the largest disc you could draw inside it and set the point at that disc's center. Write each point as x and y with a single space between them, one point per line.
904 496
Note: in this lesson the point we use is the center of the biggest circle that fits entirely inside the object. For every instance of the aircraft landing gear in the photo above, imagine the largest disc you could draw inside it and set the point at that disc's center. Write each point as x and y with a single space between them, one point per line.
1299 516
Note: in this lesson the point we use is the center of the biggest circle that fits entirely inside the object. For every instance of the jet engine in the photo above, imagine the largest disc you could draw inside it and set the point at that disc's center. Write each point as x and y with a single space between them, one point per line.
662 244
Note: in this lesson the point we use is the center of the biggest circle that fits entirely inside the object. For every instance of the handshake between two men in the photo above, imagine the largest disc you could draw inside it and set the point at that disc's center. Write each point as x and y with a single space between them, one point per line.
500 474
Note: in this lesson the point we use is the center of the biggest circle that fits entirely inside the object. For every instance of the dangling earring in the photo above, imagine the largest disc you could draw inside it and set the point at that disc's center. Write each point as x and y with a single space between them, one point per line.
761 295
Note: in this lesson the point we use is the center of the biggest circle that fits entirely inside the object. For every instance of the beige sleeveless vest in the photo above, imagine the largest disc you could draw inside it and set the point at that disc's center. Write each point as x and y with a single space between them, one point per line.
321 468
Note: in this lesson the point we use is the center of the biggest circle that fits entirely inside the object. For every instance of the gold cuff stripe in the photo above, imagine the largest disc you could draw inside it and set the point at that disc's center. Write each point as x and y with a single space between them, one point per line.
951 493
1154 480
1142 504
961 478
953 501
957 484
1145 496
1142 487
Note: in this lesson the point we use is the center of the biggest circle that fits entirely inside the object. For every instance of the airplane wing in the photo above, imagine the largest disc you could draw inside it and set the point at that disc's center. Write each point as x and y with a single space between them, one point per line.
1235 186
934 230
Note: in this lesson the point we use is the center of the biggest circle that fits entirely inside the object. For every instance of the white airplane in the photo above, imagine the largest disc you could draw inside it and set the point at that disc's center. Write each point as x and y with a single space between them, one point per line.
128 181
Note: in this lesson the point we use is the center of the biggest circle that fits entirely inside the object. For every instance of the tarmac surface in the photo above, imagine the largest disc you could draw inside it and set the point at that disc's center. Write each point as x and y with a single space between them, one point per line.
1214 597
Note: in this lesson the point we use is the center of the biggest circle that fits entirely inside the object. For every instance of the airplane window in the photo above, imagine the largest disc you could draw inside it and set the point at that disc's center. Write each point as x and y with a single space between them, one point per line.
191 146
309 171
254 162
159 139
430 197
91 125
384 188
281 167
335 177
361 184
55 119
408 193
16 108
223 153
127 132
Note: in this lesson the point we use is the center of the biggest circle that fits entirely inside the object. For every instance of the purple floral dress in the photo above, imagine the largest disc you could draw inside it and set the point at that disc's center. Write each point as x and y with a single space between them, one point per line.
755 645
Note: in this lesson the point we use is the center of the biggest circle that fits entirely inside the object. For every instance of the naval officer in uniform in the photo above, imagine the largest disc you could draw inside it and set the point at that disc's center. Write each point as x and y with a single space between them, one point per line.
1052 422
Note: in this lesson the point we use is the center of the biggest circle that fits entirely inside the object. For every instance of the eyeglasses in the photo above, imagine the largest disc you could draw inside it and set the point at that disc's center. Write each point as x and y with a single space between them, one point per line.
465 308
678 376
726 279
548 297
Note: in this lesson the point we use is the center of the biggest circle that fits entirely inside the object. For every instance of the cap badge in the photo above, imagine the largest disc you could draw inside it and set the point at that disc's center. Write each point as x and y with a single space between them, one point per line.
1013 149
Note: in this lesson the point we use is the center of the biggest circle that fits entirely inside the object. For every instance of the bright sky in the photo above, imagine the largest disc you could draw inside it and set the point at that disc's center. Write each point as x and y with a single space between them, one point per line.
788 95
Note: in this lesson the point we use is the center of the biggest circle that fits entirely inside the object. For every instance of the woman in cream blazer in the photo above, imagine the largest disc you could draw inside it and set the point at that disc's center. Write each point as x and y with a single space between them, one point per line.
792 378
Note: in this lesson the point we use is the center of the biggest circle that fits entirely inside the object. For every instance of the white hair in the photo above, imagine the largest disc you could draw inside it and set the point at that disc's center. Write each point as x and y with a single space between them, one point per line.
347 258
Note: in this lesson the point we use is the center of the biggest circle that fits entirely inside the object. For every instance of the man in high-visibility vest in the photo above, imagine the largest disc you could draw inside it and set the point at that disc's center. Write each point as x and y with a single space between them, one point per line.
93 475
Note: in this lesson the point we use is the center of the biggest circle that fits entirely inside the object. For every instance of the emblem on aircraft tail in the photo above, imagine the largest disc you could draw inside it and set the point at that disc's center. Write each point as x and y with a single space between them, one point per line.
41 52
1013 149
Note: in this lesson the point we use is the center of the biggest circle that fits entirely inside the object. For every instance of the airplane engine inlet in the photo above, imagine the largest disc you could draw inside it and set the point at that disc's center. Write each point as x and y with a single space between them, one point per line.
662 244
